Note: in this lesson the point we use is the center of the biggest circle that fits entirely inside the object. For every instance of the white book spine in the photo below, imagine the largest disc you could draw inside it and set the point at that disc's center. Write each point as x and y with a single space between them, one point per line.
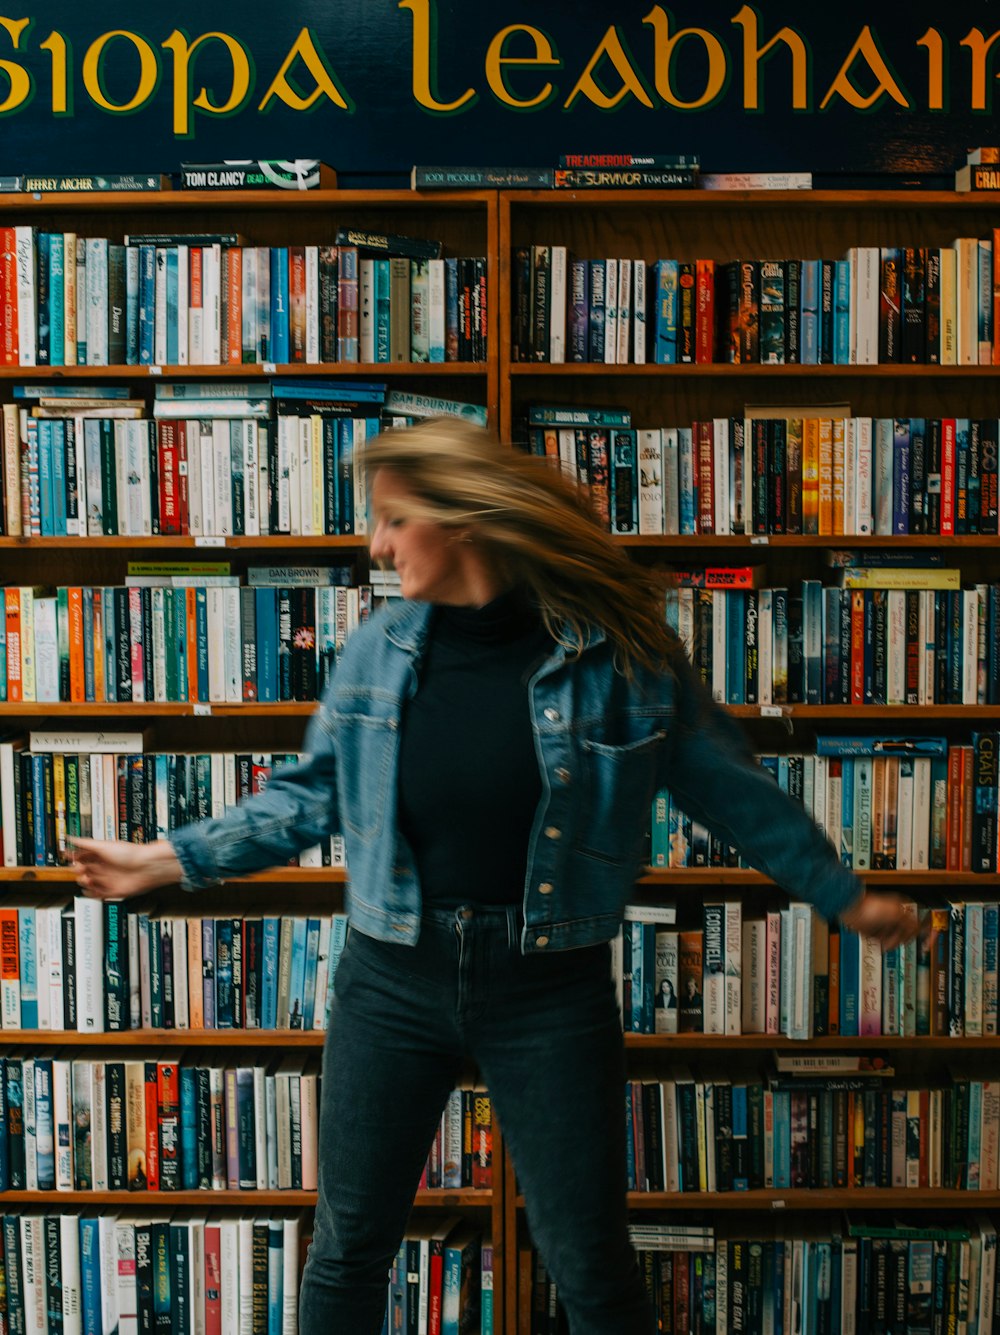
233 655
223 469
624 311
312 305
610 311
970 646
435 310
896 655
557 305
651 481
69 1265
734 965
366 310
212 301
863 478
251 479
183 305
206 458
24 260
755 975
639 312
89 915
215 604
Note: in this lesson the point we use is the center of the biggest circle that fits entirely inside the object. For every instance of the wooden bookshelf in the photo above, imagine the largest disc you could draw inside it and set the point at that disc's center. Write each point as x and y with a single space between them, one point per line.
265 1200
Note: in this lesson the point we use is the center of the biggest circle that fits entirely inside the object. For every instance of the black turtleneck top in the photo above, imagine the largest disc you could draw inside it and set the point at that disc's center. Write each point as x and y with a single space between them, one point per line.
469 783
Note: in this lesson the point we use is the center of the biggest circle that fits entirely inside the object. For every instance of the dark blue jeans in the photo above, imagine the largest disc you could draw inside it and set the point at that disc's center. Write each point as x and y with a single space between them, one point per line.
544 1032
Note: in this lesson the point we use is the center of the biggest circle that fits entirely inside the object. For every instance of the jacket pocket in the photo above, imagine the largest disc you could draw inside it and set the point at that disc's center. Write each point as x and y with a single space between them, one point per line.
366 746
619 785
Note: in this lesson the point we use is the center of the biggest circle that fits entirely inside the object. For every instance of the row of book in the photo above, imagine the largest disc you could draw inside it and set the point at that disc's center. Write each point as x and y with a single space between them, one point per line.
208 1124
848 1132
787 971
902 639
885 803
441 1280
201 300
214 461
196 639
74 1273
93 967
842 1273
822 471
886 305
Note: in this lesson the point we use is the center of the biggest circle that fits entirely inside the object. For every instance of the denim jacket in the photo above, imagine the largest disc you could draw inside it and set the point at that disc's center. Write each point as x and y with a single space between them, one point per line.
604 746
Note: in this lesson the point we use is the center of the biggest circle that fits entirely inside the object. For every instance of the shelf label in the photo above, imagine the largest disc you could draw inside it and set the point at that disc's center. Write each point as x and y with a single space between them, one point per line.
758 539
156 370
214 541
270 368
771 711
202 710
777 1205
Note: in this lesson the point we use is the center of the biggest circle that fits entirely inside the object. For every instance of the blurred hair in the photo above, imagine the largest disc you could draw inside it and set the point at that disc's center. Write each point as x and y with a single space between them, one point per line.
537 528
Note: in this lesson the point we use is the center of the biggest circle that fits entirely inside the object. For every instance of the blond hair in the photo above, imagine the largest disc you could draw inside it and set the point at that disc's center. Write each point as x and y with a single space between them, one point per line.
537 528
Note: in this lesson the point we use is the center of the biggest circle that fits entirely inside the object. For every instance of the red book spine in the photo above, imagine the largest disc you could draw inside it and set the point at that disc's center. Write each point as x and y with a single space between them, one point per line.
167 444
947 476
169 1100
180 437
9 347
297 303
152 1129
704 335
857 647
482 1147
213 1279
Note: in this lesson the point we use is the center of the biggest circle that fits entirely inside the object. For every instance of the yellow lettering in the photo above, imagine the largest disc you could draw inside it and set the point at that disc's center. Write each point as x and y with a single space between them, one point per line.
177 44
424 58
496 61
754 54
665 50
867 47
17 75
149 71
56 44
934 43
325 80
979 48
610 45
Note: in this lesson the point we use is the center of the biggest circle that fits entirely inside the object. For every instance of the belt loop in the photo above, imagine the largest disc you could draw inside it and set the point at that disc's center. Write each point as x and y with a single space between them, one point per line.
512 933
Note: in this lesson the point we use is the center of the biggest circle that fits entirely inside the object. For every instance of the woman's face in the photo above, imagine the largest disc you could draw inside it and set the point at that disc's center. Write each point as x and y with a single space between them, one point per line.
427 557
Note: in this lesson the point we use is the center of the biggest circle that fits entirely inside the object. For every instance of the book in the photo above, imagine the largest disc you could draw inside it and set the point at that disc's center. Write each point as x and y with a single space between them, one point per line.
126 182
389 243
245 174
756 181
481 178
624 178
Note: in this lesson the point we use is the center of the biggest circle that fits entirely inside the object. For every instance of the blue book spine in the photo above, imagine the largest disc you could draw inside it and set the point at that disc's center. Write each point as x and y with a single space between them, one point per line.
38 805
189 1130
267 644
312 958
46 488
665 317
27 945
132 306
630 1177
147 304
809 322
782 1139
58 439
275 1277
269 974
660 830
57 299
43 306
901 476
347 346
842 314
741 1182
637 1017
224 973
90 1277
991 924
985 304
579 311
279 305
4 1147
961 475
297 974
345 471
201 646
338 936
88 642
736 646
850 982
208 971
45 1129
173 306
688 495
596 311
382 310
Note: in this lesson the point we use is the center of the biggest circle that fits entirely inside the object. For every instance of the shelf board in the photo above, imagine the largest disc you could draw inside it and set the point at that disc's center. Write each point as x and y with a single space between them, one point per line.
245 1199
837 541
92 709
746 371
768 1042
320 876
827 1198
707 877
267 542
167 1038
239 201
860 712
715 201
244 371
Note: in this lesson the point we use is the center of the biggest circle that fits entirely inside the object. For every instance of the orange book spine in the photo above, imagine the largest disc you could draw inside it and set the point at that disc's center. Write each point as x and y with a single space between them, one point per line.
10 970
77 689
99 694
810 475
839 467
196 996
13 614
825 498
704 327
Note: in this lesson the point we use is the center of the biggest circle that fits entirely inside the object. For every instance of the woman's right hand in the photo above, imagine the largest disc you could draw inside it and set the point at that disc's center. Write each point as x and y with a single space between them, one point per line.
112 869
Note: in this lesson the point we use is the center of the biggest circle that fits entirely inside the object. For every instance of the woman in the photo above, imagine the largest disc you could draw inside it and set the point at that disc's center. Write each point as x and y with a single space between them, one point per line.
489 749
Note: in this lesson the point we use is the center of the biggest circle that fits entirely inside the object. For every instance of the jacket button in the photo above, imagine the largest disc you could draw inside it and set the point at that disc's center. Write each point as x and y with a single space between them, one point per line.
541 941
552 832
552 715
545 888
562 774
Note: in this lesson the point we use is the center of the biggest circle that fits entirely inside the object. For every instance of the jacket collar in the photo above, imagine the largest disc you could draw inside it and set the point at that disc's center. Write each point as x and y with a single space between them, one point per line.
406 626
